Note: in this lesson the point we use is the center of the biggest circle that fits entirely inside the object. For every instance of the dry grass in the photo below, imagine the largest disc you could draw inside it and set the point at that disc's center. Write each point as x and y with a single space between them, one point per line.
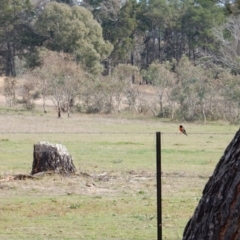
113 195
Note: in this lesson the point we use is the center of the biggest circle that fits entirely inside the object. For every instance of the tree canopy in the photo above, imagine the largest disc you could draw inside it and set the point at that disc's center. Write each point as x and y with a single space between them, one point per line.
73 30
107 33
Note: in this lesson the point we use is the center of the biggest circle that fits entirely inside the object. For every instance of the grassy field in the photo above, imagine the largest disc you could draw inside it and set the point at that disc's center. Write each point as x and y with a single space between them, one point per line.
113 194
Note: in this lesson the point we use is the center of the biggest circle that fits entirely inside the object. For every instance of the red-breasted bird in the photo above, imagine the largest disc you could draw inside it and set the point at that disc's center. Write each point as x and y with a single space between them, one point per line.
182 129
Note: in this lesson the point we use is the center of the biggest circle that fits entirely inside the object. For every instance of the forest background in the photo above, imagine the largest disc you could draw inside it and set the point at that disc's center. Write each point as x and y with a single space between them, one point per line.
167 58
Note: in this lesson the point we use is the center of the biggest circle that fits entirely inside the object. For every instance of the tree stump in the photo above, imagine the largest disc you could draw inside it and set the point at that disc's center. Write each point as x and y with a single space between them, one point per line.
52 157
217 216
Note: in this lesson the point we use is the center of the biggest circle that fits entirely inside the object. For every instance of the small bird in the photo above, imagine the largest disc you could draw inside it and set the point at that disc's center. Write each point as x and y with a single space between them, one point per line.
181 129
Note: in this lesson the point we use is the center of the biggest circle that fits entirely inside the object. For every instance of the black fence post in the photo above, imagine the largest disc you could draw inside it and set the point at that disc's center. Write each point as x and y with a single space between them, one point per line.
159 185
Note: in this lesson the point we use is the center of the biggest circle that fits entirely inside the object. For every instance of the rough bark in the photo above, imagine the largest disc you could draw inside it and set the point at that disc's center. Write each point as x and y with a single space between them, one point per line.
217 216
52 157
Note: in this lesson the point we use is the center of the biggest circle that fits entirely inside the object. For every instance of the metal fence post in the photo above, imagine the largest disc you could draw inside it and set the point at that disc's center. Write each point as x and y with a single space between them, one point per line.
159 185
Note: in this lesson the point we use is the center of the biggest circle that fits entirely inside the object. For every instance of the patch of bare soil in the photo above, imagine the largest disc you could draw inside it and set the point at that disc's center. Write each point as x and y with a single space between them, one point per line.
93 184
106 183
146 89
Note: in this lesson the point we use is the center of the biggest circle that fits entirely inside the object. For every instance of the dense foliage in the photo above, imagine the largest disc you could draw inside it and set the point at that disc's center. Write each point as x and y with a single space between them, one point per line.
109 32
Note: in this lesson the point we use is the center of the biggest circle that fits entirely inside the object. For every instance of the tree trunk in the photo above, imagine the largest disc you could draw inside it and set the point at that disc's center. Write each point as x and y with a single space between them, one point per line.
217 216
10 62
52 157
147 57
132 58
44 104
159 47
59 109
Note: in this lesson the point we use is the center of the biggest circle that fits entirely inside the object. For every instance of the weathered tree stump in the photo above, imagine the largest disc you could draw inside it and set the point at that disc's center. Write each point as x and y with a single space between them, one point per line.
217 216
52 157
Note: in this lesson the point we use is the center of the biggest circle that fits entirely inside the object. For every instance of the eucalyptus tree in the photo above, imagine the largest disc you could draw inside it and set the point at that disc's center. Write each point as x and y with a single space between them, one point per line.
13 14
120 26
175 28
197 23
73 30
121 30
227 39
158 19
60 79
191 93
163 80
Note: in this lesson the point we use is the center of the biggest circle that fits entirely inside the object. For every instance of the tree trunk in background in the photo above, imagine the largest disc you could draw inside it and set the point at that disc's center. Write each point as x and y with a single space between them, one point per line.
59 109
10 62
52 157
217 216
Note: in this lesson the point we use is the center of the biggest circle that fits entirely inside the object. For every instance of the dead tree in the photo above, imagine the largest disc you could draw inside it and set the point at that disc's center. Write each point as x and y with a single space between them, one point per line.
217 216
52 157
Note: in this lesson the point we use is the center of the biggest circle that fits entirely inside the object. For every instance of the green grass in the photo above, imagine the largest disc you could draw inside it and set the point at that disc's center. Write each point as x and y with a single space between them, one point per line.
90 218
118 155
